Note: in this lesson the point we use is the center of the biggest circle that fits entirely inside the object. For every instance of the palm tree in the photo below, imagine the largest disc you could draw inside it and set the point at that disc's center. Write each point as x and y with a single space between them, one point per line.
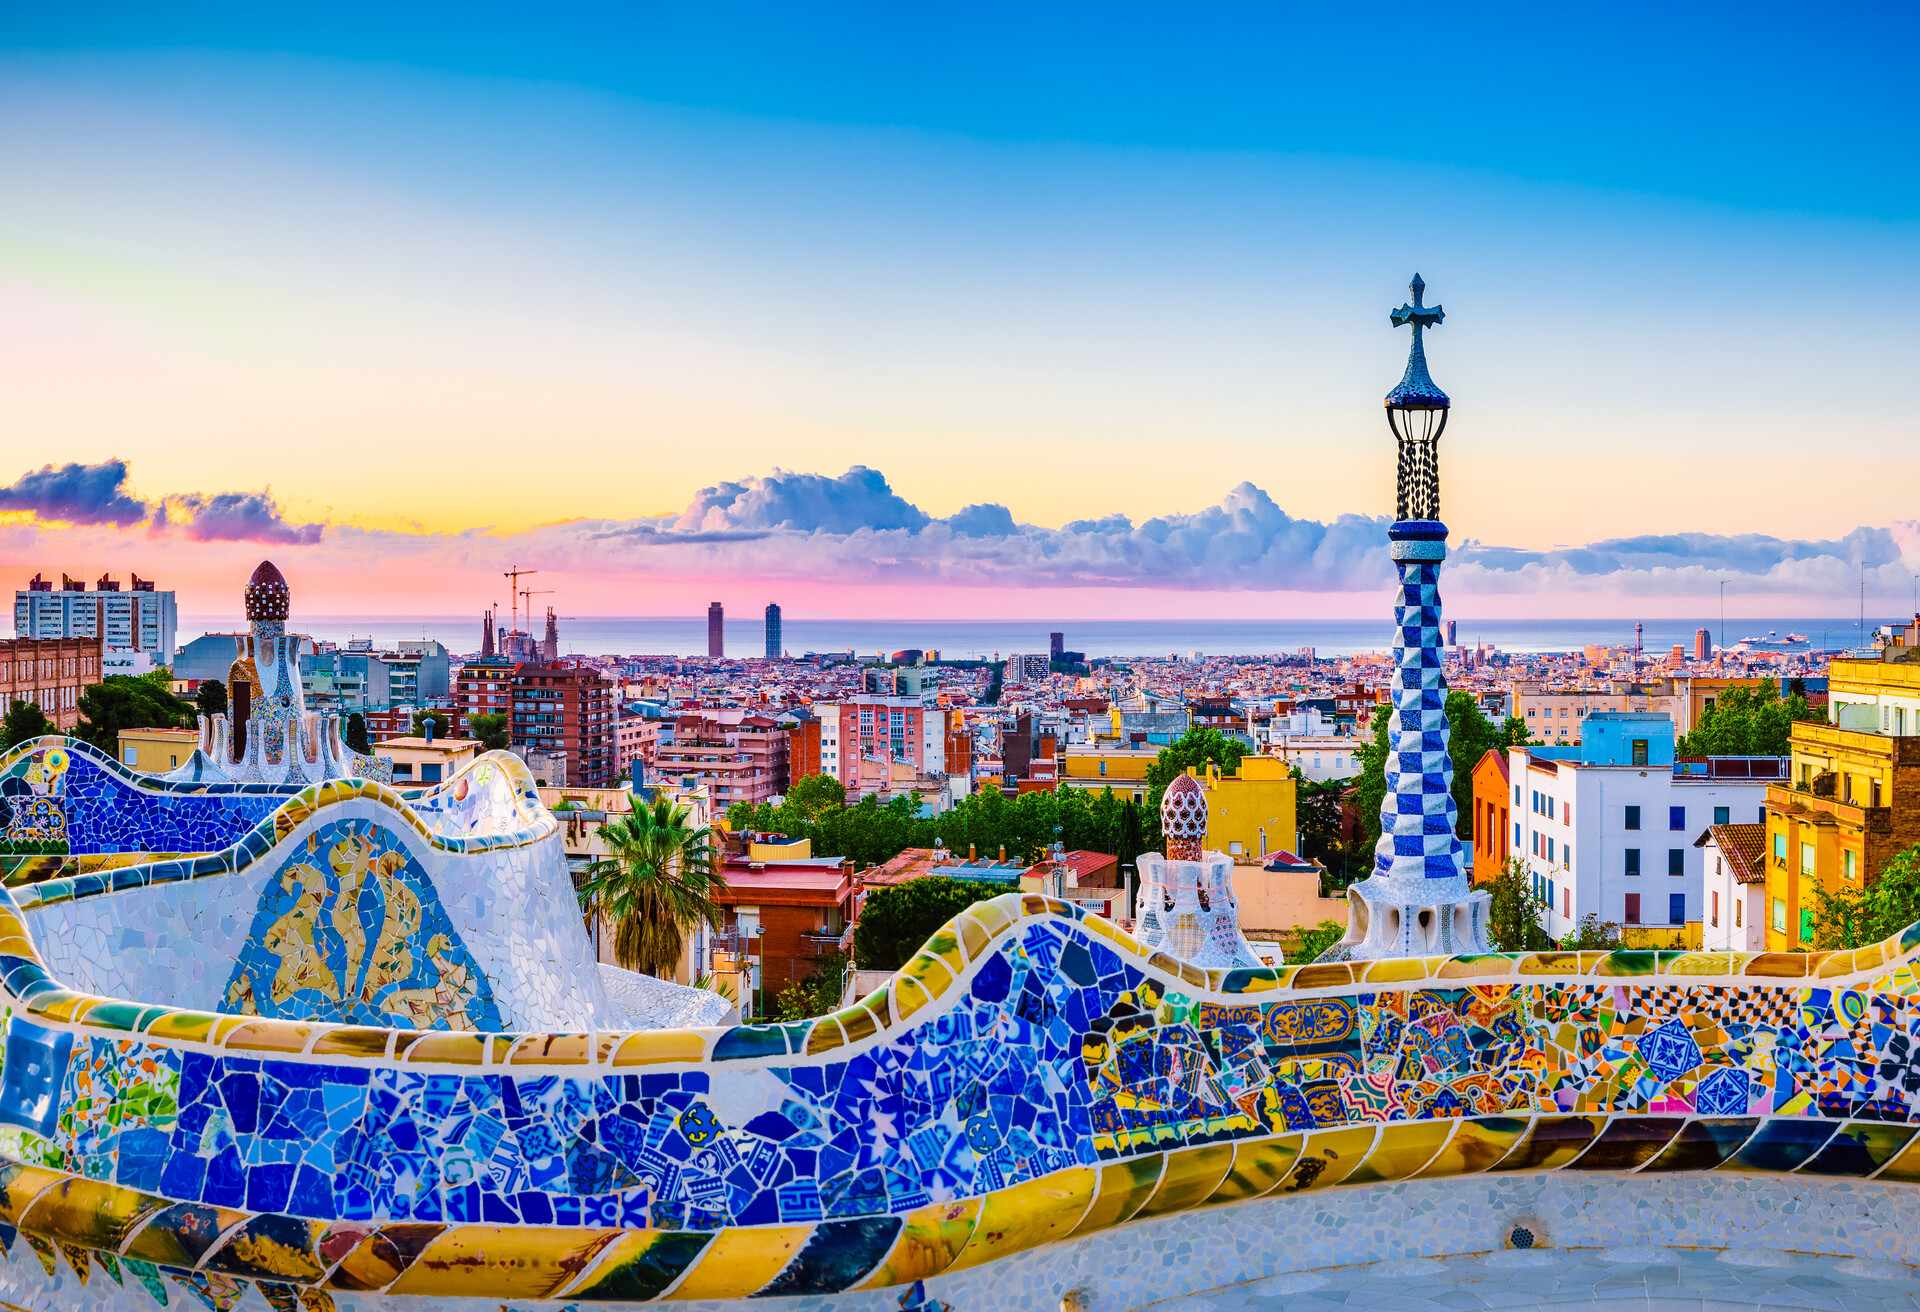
656 883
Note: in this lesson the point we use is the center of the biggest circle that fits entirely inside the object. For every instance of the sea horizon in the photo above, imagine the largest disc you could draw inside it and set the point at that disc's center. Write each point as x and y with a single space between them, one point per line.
986 639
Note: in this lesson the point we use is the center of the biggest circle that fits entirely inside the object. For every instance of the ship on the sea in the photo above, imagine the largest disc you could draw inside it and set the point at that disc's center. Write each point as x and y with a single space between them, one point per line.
1774 642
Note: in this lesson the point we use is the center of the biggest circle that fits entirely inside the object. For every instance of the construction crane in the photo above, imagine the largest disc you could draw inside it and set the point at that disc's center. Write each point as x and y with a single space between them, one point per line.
513 597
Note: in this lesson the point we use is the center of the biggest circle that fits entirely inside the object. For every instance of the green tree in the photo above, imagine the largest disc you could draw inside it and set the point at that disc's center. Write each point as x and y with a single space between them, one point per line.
356 734
1317 806
24 720
656 883
1591 934
490 730
896 920
1132 838
816 995
1313 942
122 701
1746 721
210 698
440 719
816 794
1856 917
1515 911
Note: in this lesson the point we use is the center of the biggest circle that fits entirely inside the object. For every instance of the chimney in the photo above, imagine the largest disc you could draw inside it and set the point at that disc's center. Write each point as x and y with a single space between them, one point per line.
973 853
1003 854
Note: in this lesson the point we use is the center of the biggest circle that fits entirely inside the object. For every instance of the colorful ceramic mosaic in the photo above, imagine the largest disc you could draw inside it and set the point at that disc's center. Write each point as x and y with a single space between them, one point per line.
1030 1076
357 933
63 790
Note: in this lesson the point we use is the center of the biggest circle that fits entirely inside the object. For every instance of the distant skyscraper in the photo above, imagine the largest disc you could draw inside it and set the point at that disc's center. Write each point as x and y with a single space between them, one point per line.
1056 644
774 645
716 630
1453 633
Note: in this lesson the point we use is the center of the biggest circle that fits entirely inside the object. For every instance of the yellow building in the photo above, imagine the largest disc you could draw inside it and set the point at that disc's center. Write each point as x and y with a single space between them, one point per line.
1852 796
1251 813
1123 769
156 751
426 760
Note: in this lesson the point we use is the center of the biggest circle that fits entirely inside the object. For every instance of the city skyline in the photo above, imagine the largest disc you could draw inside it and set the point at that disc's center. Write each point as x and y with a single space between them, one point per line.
906 329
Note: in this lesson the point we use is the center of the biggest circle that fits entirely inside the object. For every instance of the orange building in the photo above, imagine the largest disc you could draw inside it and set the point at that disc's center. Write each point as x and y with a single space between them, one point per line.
1492 816
49 672
803 750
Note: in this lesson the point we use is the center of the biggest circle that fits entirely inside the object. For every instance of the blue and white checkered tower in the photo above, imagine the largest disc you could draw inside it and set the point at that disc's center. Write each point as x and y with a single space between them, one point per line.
1418 900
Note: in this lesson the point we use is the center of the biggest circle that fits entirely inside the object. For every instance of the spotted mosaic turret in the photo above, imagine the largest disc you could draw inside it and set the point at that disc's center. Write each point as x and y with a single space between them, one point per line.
1186 905
1418 900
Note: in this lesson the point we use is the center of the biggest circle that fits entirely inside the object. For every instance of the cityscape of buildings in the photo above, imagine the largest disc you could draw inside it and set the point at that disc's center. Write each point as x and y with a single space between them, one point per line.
1610 820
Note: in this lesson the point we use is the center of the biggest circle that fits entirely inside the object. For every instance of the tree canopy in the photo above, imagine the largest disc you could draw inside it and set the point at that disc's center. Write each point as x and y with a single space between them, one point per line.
440 719
1746 722
490 730
1855 917
24 720
896 920
122 701
210 698
356 734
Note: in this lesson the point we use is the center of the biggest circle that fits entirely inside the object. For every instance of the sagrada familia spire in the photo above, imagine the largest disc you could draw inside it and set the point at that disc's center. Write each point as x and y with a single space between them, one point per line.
1417 901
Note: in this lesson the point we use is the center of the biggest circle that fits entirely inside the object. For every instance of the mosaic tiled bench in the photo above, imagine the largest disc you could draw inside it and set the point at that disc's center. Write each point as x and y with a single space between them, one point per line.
1030 1077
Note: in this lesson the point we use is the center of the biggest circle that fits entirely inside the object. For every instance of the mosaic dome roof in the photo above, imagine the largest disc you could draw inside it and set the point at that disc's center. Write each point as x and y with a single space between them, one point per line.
267 597
1183 817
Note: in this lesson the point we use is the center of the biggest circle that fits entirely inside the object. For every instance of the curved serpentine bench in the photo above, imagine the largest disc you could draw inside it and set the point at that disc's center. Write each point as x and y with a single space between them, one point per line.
1031 1076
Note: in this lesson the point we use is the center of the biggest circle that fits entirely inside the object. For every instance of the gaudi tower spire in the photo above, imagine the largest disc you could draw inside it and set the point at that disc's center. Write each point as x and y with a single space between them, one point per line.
1417 900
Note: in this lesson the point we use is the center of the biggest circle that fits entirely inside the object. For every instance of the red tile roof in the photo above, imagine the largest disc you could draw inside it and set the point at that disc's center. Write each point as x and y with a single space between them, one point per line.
1743 846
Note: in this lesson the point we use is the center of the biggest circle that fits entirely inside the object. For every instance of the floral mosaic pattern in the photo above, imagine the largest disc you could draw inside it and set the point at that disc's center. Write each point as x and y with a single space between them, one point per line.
356 933
61 790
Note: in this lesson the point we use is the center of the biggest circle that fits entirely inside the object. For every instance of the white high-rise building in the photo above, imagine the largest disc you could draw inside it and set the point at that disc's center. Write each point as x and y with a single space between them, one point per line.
140 618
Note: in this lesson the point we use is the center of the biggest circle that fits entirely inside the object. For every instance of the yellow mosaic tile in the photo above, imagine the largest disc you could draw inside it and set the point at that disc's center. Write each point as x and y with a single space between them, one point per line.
1123 1190
741 1260
652 1047
502 1261
929 1241
1402 1149
1191 1175
1258 1168
1028 1215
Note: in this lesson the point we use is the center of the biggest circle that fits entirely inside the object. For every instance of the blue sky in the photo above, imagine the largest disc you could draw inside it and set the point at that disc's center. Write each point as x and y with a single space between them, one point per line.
1081 262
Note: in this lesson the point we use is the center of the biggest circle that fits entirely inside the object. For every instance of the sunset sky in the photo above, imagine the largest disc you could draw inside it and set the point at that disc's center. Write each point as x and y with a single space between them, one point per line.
892 312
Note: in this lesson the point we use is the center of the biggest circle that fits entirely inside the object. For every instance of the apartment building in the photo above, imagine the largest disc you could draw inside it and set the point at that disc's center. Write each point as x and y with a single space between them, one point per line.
737 757
1851 799
1607 828
566 708
49 672
883 745
137 618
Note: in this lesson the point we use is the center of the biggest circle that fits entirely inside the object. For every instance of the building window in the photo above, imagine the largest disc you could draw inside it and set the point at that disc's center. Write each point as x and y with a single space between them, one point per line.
1676 908
1633 817
1633 909
1850 864
1780 849
1676 860
1806 924
1676 817
1806 859
1713 910
1779 916
1723 815
1633 861
1639 751
1738 908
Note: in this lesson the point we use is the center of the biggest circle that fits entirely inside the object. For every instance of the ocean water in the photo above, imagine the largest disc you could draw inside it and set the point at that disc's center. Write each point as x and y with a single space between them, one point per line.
966 639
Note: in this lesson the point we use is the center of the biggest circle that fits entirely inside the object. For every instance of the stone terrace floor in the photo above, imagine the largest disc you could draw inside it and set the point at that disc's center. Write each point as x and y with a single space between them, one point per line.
1639 1279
